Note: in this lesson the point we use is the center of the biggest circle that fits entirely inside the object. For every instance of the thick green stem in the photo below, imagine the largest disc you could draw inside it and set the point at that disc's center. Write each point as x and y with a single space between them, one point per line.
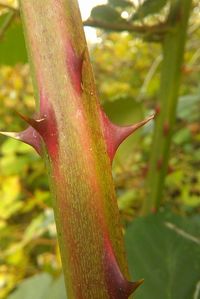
69 122
173 53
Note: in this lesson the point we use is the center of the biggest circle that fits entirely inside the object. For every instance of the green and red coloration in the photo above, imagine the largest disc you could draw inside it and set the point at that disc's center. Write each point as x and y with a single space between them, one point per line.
46 127
173 58
114 135
29 136
118 287
74 64
77 141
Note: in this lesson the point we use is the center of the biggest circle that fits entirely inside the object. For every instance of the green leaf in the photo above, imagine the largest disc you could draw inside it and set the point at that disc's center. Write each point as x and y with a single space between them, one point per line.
12 165
39 226
57 290
149 7
12 44
32 288
12 146
188 107
9 193
165 251
182 136
120 3
125 201
40 286
105 13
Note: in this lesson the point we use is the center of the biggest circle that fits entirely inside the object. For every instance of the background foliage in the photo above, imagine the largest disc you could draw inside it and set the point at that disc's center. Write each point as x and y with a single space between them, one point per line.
162 248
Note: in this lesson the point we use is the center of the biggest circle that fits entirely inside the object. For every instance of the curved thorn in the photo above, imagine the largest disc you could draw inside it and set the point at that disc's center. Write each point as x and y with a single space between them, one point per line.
35 123
28 136
134 285
114 135
13 135
118 286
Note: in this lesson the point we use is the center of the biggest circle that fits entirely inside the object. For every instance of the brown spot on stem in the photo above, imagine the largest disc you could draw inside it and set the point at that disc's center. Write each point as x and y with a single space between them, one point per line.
144 171
166 128
159 164
157 110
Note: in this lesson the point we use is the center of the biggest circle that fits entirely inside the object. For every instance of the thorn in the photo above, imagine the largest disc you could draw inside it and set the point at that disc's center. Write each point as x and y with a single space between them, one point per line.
144 171
134 285
114 135
134 127
14 135
45 127
118 286
37 124
157 110
166 129
159 164
29 136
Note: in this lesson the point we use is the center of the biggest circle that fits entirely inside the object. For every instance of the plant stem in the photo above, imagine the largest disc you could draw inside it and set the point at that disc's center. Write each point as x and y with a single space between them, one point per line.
78 165
8 21
141 29
173 54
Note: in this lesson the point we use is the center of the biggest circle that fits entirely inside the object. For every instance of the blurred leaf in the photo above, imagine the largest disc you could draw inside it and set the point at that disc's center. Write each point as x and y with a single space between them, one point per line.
40 286
7 282
12 44
39 226
189 199
182 136
165 251
16 157
9 196
149 7
189 107
12 165
39 197
105 13
11 146
35 287
57 290
125 201
120 3
175 178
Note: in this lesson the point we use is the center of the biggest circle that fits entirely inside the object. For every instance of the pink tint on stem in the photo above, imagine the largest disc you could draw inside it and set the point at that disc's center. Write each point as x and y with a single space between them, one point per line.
74 65
45 125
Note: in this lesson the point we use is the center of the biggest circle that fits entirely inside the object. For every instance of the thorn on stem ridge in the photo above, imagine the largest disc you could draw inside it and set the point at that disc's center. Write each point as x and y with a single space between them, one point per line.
118 286
29 136
114 135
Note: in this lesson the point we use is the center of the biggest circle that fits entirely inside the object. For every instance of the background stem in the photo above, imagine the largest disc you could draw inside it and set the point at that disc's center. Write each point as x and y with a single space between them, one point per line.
173 54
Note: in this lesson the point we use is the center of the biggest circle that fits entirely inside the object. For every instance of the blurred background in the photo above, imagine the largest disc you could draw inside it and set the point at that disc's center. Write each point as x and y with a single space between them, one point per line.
127 67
